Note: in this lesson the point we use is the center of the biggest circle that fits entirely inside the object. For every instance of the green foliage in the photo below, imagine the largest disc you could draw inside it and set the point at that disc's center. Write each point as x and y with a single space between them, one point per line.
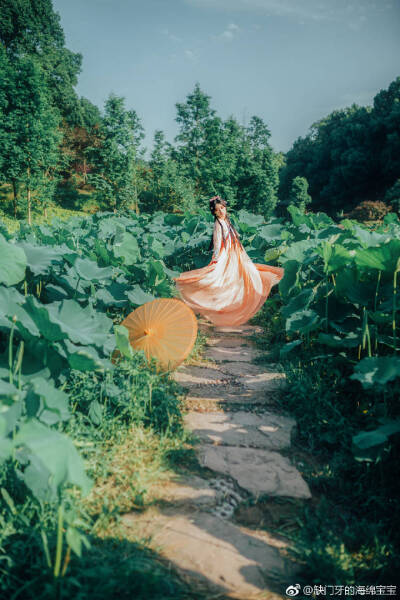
299 195
392 196
335 326
211 156
115 173
349 156
28 129
32 29
133 392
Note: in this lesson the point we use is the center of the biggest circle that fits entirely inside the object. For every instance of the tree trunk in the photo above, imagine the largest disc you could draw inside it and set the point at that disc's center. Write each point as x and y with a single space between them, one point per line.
29 197
29 206
15 197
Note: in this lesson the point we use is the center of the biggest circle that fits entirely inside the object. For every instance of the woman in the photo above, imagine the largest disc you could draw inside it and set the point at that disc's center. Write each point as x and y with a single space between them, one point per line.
231 288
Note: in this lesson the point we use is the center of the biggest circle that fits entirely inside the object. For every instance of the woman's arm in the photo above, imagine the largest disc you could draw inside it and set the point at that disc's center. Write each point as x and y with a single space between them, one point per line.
217 240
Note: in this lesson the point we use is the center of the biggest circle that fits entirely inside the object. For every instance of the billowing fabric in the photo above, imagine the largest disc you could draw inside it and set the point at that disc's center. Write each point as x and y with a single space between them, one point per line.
231 288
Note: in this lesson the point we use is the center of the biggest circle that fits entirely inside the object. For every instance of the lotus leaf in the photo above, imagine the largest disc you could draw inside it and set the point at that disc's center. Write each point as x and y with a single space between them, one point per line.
377 370
302 321
53 402
40 258
88 270
122 341
271 232
385 258
127 248
54 459
299 302
138 297
12 264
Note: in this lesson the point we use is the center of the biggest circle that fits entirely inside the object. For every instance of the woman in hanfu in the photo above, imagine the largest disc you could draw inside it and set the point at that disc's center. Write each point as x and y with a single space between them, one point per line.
231 288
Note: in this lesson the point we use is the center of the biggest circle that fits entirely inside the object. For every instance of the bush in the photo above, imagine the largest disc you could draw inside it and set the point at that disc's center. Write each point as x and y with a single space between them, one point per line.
369 210
132 393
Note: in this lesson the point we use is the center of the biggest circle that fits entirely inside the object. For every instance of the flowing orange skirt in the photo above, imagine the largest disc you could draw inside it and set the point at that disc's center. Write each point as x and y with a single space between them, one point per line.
231 289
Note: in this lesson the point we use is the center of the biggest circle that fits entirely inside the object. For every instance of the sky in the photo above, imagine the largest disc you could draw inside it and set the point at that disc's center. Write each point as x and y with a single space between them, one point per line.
290 62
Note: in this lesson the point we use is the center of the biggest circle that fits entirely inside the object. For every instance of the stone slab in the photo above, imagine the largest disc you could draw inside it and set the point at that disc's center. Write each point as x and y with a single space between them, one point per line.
229 558
240 329
189 490
228 341
241 354
255 377
258 471
227 393
189 375
241 428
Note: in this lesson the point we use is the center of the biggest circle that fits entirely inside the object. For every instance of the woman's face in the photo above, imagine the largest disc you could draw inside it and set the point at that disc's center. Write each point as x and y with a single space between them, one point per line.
220 211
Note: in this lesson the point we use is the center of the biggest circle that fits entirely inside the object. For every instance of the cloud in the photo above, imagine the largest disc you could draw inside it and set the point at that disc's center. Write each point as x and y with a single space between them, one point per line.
230 32
189 54
170 35
316 10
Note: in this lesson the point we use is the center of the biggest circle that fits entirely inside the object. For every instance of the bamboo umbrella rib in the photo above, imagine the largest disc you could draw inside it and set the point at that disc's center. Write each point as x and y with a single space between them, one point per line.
165 328
166 309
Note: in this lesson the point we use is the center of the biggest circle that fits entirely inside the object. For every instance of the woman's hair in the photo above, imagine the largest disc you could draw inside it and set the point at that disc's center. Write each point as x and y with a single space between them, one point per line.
213 203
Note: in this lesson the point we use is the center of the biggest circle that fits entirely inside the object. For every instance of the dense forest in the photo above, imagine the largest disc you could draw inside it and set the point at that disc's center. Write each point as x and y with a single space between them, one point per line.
57 148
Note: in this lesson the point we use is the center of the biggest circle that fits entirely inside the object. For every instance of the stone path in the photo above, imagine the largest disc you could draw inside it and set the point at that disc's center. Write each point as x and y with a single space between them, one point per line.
239 441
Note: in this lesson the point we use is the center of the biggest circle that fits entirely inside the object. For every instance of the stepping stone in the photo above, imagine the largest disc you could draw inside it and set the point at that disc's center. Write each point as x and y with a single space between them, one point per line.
240 354
189 490
258 471
227 341
220 555
228 393
190 375
241 429
255 377
240 329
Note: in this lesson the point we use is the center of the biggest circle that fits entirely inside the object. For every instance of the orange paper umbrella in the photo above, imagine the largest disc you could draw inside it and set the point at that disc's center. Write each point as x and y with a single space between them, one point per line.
165 328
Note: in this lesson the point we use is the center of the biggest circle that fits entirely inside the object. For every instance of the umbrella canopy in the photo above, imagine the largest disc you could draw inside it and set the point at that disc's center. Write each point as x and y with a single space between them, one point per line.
165 328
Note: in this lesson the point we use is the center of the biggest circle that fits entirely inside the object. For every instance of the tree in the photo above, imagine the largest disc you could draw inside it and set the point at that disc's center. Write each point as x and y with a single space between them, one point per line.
386 129
33 28
392 196
349 156
257 169
198 136
29 130
225 158
299 195
115 160
77 139
165 187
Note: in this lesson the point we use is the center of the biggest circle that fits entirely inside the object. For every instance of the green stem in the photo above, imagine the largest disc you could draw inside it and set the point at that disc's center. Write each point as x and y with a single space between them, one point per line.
394 310
150 395
57 563
326 305
364 329
46 548
18 366
376 290
10 352
77 286
368 339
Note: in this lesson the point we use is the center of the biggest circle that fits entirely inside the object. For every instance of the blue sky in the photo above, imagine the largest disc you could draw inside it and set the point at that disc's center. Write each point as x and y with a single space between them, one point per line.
290 62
